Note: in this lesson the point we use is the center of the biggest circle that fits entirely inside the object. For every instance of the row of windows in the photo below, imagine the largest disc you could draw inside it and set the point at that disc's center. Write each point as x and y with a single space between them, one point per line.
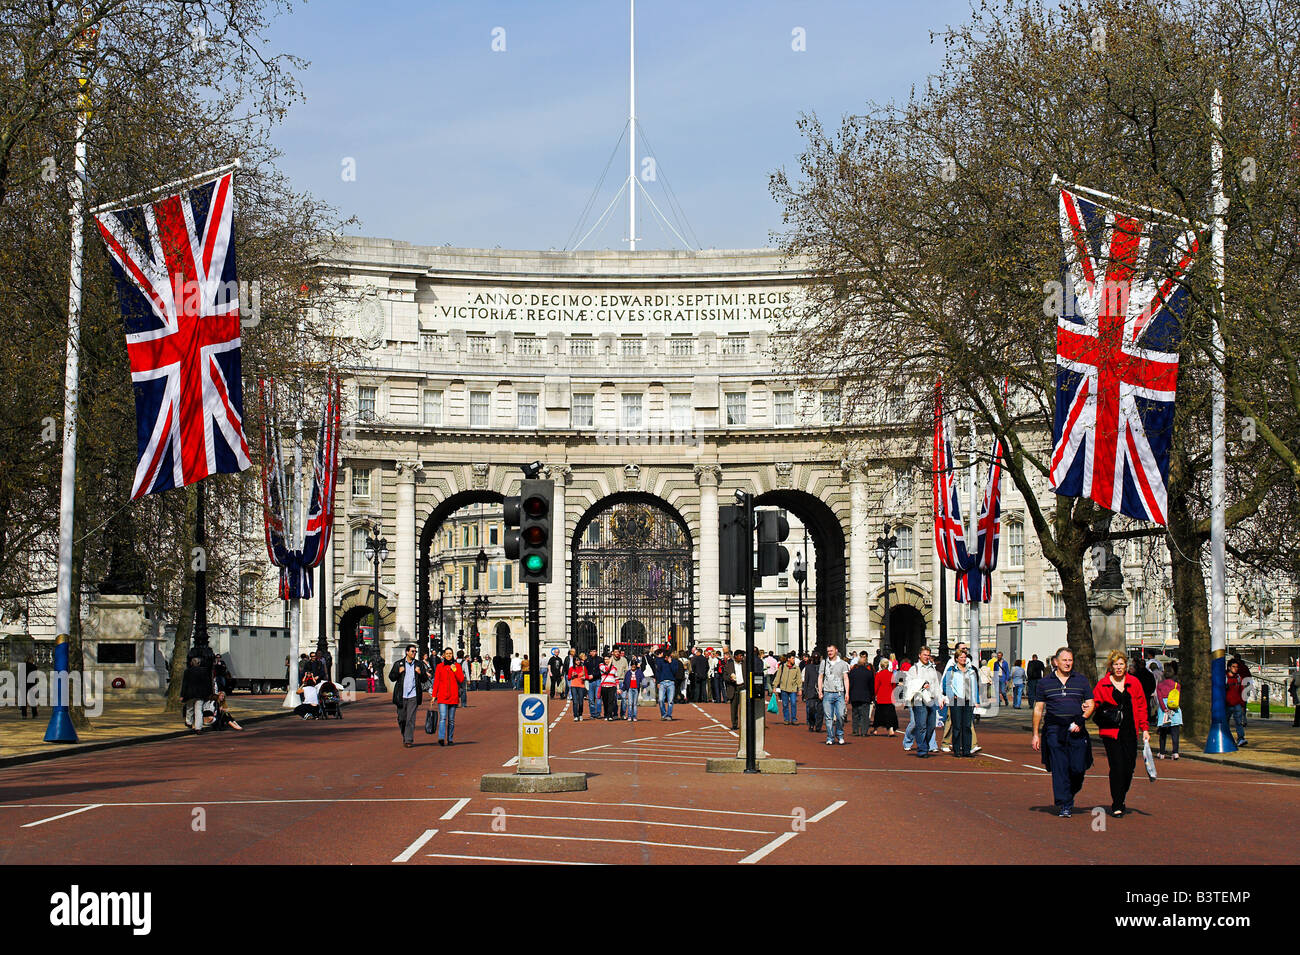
584 346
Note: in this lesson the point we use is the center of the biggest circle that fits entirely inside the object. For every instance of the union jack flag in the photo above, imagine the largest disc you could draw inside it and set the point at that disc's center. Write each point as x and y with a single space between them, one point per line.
1117 358
174 263
949 535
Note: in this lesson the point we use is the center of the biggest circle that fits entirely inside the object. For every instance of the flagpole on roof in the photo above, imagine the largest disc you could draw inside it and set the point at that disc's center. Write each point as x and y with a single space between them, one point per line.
1220 739
60 729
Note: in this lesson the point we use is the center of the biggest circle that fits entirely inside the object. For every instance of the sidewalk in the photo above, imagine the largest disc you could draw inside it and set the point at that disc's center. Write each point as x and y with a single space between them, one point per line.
1274 743
121 723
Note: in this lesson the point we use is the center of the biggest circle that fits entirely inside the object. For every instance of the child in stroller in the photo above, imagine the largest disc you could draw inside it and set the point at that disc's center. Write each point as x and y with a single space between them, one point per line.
331 703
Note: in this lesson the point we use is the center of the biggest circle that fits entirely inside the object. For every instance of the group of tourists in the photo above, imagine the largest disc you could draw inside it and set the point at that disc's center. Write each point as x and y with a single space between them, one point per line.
203 695
444 676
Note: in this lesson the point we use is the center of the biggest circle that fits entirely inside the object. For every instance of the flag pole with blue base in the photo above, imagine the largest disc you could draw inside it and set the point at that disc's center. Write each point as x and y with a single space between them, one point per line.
60 729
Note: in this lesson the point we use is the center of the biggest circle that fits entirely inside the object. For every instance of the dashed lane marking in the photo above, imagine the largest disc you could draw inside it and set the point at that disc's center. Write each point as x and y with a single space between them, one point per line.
632 842
776 843
839 803
447 855
511 761
451 813
643 805
634 822
62 815
414 847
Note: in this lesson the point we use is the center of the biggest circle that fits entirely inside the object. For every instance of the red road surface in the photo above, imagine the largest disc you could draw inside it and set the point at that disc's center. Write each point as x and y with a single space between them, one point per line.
254 797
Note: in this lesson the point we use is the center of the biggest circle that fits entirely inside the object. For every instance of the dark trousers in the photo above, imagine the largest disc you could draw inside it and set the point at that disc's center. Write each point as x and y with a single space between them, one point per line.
735 708
1067 754
961 719
816 719
1171 730
1033 691
720 694
609 701
406 714
861 716
1121 754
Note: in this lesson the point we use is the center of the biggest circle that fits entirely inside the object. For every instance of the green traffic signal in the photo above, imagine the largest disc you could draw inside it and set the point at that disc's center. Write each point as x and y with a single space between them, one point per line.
534 563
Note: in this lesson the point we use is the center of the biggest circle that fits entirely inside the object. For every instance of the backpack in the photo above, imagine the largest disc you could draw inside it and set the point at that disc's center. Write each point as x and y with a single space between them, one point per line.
1174 698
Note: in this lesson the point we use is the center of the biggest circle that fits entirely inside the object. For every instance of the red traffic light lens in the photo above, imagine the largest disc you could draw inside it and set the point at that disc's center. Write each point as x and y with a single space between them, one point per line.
535 507
535 536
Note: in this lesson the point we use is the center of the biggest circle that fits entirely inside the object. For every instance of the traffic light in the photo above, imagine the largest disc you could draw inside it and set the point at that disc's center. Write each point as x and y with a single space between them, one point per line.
773 528
528 520
735 549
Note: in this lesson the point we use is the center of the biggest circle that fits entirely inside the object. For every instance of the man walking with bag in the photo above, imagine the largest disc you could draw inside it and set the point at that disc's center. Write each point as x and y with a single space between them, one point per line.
408 677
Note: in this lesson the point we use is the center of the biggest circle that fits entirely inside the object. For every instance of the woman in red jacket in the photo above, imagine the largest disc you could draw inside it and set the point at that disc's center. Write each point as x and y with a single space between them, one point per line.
1120 691
886 715
447 681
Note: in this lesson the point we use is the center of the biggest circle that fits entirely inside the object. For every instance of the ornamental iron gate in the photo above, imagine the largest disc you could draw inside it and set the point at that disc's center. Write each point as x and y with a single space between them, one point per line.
632 578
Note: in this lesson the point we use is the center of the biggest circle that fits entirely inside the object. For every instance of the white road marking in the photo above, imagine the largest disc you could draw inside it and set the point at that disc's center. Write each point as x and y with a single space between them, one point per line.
62 815
839 803
446 855
679 733
451 813
229 802
608 759
631 842
562 712
511 761
635 822
1035 768
776 843
414 847
1001 759
644 805
590 748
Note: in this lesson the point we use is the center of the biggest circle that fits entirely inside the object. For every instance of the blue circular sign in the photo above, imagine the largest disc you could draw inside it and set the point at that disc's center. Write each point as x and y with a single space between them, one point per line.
533 709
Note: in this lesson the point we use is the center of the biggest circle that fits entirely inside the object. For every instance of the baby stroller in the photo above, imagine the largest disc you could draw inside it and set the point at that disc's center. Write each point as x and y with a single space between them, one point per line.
331 704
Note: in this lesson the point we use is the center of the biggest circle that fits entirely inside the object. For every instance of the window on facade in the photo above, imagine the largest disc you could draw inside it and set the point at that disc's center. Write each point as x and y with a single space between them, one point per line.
478 344
248 600
432 406
581 346
632 411
1016 602
679 410
492 578
492 535
903 489
1139 605
830 407
508 577
366 399
1015 544
526 409
593 533
783 408
681 345
246 511
896 403
361 482
464 577
906 559
783 581
528 345
1058 604
633 347
480 403
359 561
735 407
583 413
732 345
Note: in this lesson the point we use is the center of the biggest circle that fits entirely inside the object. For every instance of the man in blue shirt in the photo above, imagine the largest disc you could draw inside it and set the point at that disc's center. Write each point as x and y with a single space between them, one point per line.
1061 712
409 677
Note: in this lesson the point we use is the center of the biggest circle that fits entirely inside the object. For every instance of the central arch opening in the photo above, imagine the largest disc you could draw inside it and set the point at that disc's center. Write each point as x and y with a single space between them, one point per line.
632 577
827 537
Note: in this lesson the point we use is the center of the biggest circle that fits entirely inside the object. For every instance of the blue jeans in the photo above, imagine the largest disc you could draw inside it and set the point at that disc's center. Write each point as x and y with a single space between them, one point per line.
923 718
577 694
446 721
1237 714
630 698
667 689
789 705
833 706
1018 688
593 699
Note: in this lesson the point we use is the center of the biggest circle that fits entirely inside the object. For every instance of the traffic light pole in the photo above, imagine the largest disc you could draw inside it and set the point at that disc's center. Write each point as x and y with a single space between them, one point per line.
534 640
752 670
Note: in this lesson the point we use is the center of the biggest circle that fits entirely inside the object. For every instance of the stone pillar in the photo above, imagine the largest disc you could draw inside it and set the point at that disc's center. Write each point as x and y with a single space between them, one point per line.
1107 608
859 569
554 630
405 582
707 625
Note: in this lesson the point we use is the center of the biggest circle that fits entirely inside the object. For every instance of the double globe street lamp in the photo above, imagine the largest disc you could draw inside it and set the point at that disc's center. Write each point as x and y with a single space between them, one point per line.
377 553
886 549
800 579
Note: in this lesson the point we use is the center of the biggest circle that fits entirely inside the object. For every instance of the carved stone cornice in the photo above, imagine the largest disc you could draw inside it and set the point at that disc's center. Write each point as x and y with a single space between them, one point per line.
708 475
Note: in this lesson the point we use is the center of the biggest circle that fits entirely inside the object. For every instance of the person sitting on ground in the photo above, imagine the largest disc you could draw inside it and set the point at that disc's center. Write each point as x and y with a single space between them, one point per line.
309 708
224 719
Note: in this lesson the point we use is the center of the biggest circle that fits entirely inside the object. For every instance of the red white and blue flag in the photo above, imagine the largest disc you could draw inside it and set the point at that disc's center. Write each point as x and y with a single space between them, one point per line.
1117 356
174 262
949 534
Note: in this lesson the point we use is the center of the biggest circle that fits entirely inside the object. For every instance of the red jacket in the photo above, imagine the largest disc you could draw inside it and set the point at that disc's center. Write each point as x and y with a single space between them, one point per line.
1104 692
884 687
446 683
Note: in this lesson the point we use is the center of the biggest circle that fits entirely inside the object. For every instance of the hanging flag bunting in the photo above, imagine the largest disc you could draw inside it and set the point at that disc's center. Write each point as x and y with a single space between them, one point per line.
174 262
1117 356
296 563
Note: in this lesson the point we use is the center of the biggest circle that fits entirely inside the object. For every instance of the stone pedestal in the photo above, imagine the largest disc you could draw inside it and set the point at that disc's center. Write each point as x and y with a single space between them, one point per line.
744 728
123 641
1106 608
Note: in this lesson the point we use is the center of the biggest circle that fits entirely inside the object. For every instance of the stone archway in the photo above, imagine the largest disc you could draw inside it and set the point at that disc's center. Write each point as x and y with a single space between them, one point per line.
428 531
828 544
354 610
910 611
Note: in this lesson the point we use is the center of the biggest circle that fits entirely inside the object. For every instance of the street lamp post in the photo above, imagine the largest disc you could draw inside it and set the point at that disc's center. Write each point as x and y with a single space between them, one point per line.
442 618
480 611
800 576
377 551
886 548
460 630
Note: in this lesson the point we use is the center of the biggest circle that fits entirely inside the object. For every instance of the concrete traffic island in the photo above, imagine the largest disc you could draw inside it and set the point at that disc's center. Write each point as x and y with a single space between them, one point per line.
533 783
737 765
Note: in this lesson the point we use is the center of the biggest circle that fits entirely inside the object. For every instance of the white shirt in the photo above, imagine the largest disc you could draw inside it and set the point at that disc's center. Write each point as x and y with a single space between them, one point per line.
311 694
516 664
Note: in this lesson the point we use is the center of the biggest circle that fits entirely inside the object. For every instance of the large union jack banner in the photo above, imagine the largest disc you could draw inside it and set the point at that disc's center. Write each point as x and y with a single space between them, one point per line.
1117 356
174 262
949 531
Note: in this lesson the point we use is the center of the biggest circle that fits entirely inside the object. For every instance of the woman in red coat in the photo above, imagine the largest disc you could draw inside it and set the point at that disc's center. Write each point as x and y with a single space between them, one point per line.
1120 689
447 681
886 715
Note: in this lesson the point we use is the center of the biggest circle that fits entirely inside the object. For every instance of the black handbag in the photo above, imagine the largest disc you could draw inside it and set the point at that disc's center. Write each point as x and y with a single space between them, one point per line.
431 722
1109 716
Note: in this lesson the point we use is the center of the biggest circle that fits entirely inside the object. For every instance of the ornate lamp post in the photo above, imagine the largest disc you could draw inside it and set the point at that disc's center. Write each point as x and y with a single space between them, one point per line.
377 552
886 548
480 611
460 632
442 619
800 577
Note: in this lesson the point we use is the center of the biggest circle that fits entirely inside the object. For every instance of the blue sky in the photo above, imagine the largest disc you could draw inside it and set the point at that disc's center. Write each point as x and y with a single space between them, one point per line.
456 143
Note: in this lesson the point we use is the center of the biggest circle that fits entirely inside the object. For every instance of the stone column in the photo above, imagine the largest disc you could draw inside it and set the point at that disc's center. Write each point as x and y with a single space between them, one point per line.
405 582
859 569
554 630
707 629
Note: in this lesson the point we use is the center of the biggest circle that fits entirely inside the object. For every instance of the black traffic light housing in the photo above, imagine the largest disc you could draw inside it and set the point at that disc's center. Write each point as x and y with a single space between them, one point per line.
773 529
735 549
528 520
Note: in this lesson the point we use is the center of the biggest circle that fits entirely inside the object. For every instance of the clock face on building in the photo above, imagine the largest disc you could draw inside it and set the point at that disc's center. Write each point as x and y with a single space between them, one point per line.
370 322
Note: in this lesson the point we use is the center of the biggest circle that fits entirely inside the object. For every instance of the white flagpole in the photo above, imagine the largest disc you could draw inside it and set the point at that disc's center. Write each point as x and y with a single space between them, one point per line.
293 539
167 187
1220 738
64 731
631 127
972 548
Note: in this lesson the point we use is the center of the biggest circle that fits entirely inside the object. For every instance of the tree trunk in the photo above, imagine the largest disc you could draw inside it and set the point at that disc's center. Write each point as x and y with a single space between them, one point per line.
1078 621
1191 606
185 623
